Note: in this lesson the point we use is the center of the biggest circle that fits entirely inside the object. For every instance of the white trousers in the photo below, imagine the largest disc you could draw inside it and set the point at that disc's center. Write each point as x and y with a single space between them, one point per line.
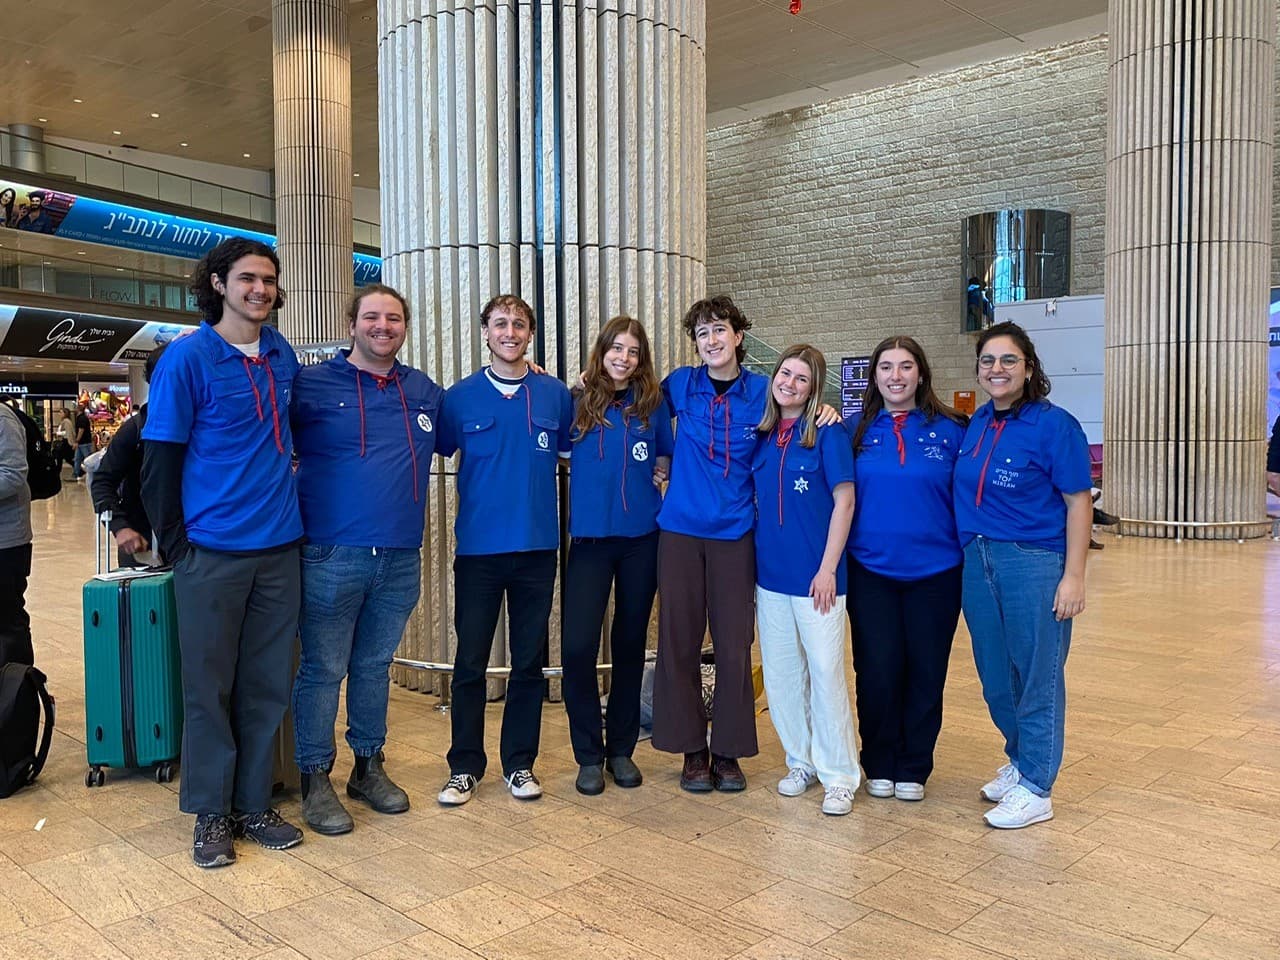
804 677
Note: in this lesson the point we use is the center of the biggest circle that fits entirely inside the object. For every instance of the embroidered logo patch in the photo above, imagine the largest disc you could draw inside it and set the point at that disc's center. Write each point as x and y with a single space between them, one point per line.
801 485
543 440
640 451
424 423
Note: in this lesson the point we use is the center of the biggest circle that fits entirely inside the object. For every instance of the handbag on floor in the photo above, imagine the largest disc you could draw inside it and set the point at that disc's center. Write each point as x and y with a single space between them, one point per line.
26 725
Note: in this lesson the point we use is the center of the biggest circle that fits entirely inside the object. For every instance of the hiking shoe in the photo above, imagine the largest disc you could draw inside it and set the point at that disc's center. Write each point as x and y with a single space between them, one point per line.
695 776
458 789
908 791
377 789
213 843
1019 808
1007 778
726 775
880 788
624 771
590 780
322 811
523 784
268 829
838 801
796 782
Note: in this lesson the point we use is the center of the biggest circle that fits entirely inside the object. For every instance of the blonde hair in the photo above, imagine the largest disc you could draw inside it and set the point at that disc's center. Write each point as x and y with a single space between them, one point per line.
812 357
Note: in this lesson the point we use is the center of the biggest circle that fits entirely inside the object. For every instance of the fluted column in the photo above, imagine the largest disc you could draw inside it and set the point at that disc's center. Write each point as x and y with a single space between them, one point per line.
311 72
1188 255
549 148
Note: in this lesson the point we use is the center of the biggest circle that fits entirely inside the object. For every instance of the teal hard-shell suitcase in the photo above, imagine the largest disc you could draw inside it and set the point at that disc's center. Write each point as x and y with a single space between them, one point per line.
132 672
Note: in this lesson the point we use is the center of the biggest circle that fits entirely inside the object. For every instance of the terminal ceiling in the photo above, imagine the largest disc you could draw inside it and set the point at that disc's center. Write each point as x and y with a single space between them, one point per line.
204 66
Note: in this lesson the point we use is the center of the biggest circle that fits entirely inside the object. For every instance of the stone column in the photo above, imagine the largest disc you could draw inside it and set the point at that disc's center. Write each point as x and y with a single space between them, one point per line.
311 73
553 149
1188 257
26 147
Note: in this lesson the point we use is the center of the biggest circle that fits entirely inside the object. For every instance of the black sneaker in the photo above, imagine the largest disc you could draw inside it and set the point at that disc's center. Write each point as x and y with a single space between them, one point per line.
268 829
214 841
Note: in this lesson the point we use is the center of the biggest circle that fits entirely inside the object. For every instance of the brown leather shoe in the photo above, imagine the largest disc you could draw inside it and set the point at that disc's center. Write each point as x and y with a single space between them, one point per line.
696 775
726 775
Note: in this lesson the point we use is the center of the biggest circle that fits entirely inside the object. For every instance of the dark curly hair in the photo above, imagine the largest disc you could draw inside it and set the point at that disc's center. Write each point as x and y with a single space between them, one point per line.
218 262
721 308
1037 386
507 301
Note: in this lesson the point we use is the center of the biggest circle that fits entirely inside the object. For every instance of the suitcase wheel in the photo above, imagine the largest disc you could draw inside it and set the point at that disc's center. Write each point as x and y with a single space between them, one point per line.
164 773
96 777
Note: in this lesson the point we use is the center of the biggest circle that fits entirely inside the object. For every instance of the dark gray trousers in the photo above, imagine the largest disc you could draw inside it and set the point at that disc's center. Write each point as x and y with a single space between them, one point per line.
237 620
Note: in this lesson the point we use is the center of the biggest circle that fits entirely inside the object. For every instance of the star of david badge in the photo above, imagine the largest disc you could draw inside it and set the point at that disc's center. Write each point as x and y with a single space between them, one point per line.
801 485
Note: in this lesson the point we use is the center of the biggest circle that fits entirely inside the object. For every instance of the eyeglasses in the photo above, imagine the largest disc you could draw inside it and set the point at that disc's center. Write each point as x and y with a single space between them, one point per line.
1007 362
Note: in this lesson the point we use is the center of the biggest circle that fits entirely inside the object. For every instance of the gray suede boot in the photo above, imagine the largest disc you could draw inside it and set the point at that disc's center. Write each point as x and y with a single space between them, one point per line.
321 808
370 783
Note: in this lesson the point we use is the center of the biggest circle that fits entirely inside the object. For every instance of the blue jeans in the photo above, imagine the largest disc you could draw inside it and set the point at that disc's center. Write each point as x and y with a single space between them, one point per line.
1020 651
355 604
82 450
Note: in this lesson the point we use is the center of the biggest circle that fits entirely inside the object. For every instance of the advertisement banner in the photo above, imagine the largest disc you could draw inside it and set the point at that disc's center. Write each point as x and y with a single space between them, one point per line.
72 217
57 335
1273 364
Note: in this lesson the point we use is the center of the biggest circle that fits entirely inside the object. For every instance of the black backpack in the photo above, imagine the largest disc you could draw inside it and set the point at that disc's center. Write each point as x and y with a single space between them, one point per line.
24 742
44 472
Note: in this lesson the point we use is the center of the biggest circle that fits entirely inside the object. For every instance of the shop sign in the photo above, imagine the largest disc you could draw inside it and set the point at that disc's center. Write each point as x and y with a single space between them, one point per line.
58 335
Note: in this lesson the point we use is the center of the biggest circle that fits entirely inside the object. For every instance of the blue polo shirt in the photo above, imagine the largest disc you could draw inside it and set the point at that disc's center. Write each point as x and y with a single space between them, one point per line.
510 445
364 446
710 494
904 523
794 500
238 490
611 491
1011 475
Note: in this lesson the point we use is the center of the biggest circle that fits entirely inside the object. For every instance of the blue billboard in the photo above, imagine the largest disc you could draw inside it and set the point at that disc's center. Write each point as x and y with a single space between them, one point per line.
72 217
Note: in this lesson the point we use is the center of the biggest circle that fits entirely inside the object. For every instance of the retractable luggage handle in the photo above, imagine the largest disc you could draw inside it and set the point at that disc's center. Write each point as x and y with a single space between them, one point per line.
103 522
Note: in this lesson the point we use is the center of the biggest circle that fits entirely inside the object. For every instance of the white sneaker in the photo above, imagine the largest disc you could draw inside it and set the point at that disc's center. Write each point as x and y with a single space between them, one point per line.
524 785
880 788
1019 808
838 801
1007 778
908 791
796 782
458 789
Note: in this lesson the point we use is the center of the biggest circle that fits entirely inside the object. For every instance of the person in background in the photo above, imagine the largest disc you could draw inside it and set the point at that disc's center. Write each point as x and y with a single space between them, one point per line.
15 541
511 426
621 443
116 484
7 198
365 422
83 440
803 476
218 485
35 219
904 566
1023 514
1273 459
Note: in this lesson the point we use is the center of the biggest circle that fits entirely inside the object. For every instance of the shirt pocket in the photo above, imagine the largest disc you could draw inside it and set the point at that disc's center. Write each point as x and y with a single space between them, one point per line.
640 446
872 448
802 471
546 434
479 437
935 451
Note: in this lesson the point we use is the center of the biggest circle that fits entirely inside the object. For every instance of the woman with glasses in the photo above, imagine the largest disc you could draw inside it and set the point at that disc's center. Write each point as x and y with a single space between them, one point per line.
1024 514
904 569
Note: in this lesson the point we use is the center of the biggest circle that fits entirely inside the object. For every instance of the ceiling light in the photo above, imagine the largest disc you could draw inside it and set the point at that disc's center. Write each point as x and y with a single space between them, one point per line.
116 132
76 100
79 253
245 155
155 116
119 269
355 174
183 143
42 119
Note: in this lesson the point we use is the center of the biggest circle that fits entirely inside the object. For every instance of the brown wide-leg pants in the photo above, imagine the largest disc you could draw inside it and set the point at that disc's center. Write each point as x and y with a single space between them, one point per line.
701 580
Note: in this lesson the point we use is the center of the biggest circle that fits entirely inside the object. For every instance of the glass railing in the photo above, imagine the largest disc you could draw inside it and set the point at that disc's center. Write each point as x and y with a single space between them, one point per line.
77 279
762 358
149 183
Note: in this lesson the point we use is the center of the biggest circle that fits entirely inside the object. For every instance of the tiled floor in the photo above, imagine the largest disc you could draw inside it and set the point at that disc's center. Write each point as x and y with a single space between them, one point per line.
1166 840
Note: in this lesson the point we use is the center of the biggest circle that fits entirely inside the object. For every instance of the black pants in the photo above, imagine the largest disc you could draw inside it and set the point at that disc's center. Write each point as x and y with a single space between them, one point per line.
237 622
630 566
527 580
902 633
15 623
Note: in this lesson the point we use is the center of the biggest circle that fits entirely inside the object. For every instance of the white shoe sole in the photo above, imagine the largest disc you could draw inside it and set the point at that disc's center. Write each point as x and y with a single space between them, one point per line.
792 789
908 791
879 788
1039 818
994 796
